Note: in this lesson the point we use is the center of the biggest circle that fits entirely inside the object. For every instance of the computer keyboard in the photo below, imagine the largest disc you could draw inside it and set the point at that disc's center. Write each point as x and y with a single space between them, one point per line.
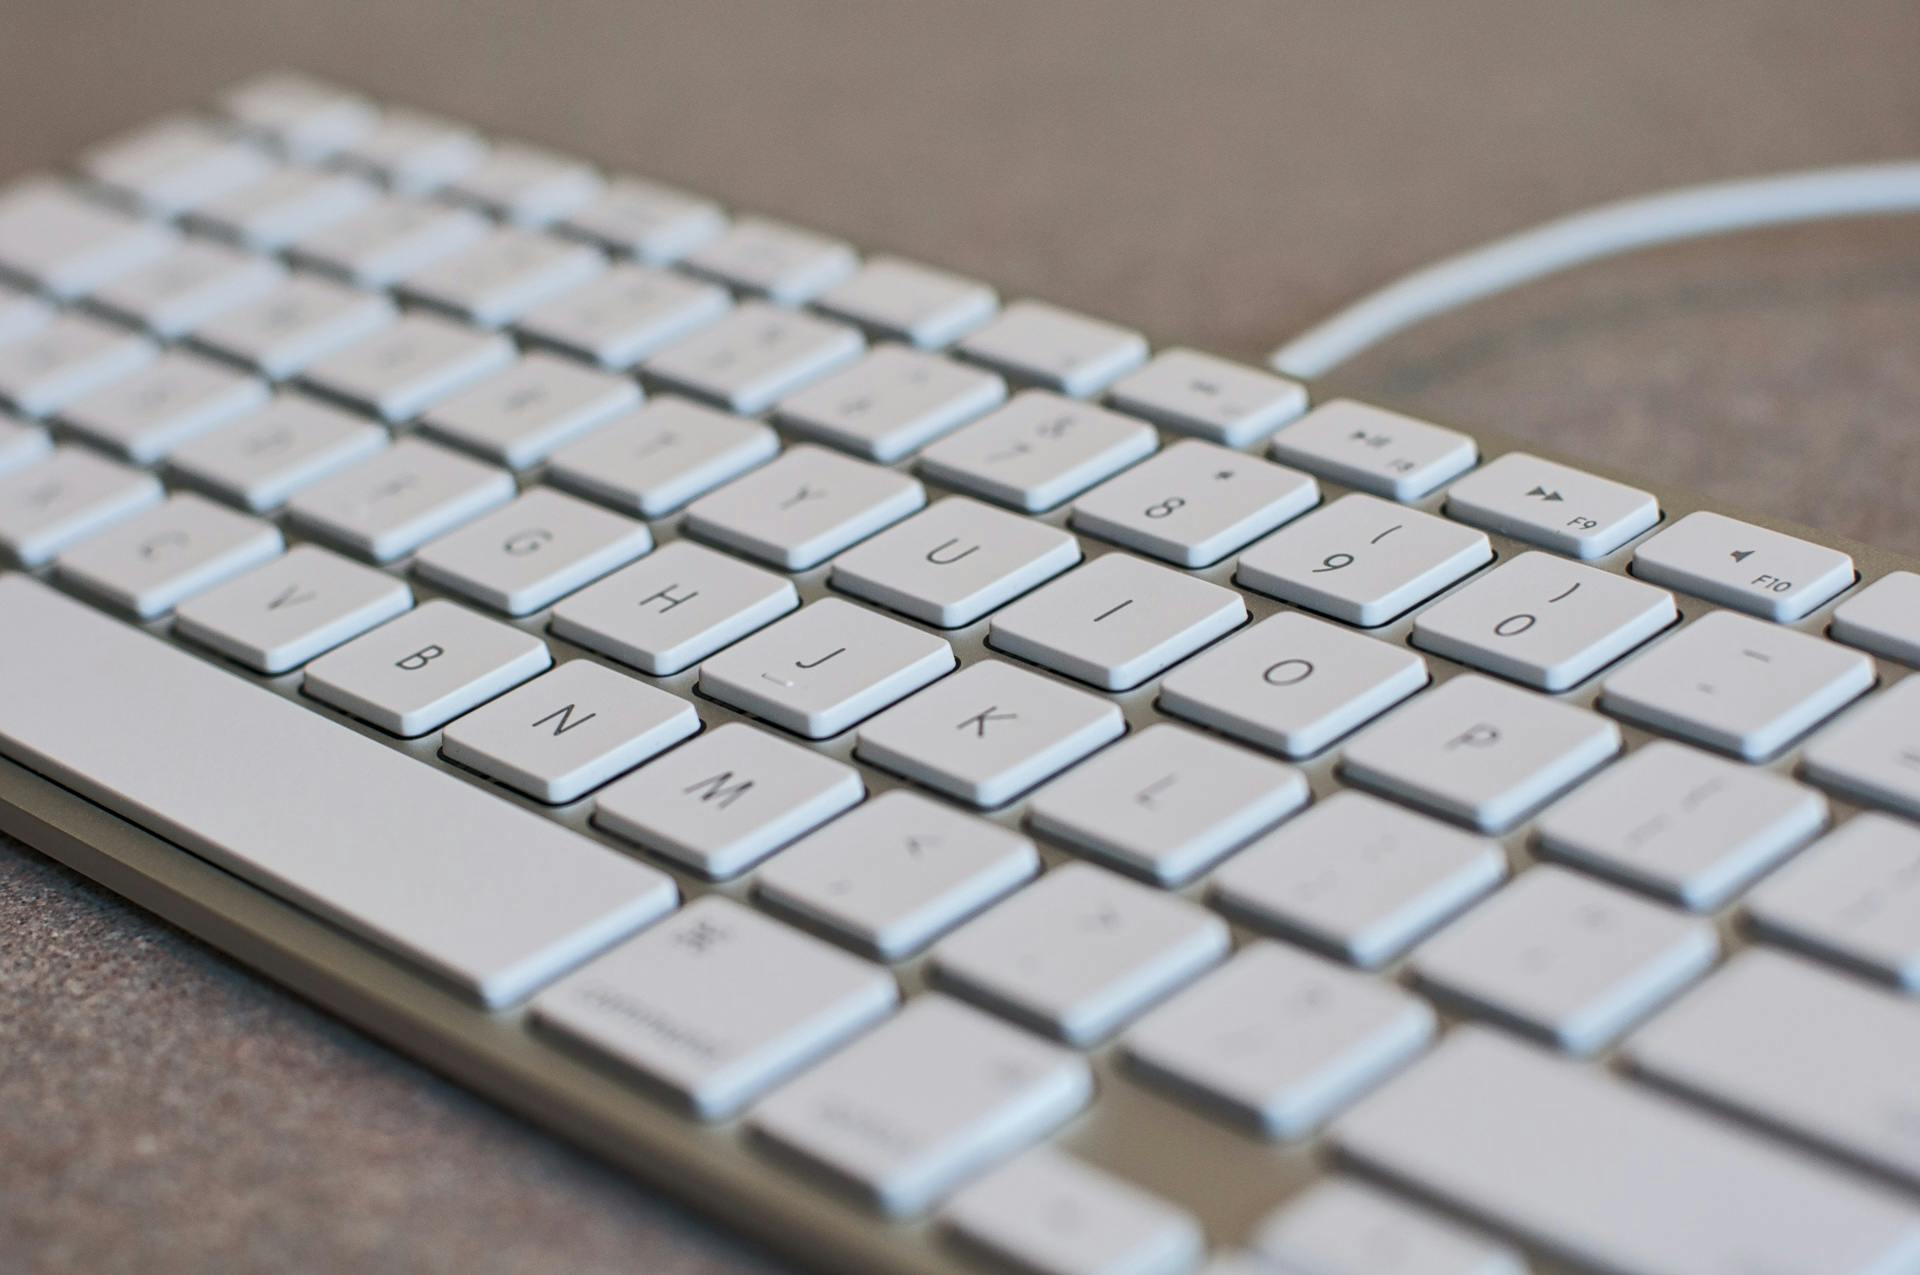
937 783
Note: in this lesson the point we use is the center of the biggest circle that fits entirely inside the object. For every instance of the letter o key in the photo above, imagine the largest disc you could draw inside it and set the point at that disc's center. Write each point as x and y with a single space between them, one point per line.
522 543
1288 672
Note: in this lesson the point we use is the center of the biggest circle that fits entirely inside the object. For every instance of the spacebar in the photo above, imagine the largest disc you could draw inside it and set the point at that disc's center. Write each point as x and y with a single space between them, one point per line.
491 898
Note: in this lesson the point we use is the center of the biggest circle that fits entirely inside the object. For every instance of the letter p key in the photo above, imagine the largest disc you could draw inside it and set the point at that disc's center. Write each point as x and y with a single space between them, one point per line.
420 658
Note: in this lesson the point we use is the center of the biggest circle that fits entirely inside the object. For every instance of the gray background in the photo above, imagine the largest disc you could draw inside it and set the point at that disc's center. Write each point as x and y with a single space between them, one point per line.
1221 174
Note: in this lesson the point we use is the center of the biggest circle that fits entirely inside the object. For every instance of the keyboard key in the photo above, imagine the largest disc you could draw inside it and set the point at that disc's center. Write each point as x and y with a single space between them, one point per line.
390 240
147 413
1375 450
526 185
727 800
500 277
652 461
414 152
904 301
1037 451
187 287
420 671
1049 1212
1883 618
1362 560
565 733
1773 575
654 223
1873 753
1738 685
1689 826
21 314
174 165
1292 684
716 1004
1358 877
804 507
1208 397
1741 1040
268 214
67 245
1036 344
399 372
1543 621
989 732
954 562
671 610
1338 1226
1117 621
524 555
1481 752
891 403
48 505
755 356
148 563
1565 958
522 413
70 357
282 331
782 263
624 315
924 1102
261 459
21 444
1167 803
1854 897
1080 951
393 502
827 666
306 117
892 875
1194 503
278 616
1553 506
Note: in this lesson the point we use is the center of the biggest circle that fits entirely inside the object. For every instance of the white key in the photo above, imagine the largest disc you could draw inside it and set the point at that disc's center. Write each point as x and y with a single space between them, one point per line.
1208 397
1883 618
48 505
390 240
393 502
1853 896
891 403
21 314
1362 559
1737 564
924 1102
526 185
282 331
521 414
1544 621
21 444
1047 1211
1037 451
1358 877
524 555
782 263
727 800
1742 1040
1375 450
671 610
261 459
625 314
73 355
401 371
905 301
268 214
151 561
1873 753
1739 685
414 152
1292 684
1032 343
1194 503
716 1004
500 277
1481 752
1280 1039
1553 506
1692 827
68 245
805 507
642 219
755 356
147 413
990 732
1566 958
305 117
1080 951
492 900
420 671
652 461
566 732
175 164
824 668
188 286
277 617
894 874
1338 1226
1167 803
954 562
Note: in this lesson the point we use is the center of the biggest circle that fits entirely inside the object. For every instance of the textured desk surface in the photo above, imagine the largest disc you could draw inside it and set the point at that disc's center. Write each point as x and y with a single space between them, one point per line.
1221 175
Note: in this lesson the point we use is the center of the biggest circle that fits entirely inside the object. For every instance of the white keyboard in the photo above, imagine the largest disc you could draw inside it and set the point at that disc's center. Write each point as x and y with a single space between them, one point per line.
940 783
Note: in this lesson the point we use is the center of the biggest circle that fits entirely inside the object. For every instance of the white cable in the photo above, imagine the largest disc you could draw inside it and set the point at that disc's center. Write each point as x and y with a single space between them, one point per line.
1687 213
